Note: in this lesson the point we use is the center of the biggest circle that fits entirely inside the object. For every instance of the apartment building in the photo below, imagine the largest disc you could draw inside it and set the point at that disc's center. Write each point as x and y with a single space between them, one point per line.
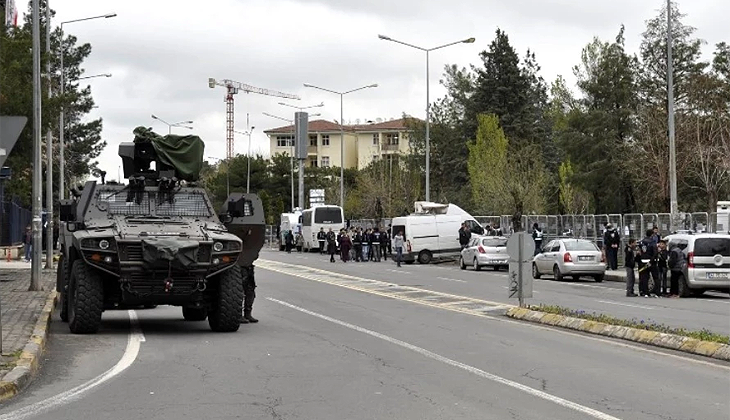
363 142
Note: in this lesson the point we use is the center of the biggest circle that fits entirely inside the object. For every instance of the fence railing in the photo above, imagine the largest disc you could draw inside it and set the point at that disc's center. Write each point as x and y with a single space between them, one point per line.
13 221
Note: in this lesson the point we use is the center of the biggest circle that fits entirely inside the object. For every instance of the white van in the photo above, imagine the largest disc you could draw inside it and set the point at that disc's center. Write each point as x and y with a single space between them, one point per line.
722 223
289 221
433 231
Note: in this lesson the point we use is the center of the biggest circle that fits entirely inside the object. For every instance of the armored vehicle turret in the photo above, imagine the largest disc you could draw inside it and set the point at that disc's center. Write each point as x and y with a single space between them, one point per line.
155 241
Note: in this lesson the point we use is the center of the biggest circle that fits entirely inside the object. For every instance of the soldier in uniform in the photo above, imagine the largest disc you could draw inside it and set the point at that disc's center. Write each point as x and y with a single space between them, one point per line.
249 295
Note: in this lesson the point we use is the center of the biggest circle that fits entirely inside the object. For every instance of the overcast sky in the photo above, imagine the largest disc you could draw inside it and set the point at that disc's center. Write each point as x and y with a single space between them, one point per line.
162 52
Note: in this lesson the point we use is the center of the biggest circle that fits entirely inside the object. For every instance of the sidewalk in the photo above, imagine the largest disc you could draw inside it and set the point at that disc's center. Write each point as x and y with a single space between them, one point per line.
618 275
25 318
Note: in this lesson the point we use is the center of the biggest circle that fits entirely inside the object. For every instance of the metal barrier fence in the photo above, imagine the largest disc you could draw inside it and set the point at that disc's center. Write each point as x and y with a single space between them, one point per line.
13 221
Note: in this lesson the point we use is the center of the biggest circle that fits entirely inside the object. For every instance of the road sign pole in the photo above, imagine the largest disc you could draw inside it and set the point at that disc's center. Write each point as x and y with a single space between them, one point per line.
520 296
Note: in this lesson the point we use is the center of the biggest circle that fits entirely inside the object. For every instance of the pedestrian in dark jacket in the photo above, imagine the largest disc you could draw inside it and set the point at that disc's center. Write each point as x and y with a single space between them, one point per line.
611 242
384 241
345 247
464 236
662 267
676 265
331 245
649 253
375 239
630 264
28 243
322 239
289 238
357 244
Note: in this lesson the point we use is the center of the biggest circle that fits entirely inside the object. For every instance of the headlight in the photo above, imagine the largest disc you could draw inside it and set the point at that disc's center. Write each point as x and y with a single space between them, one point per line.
104 244
218 247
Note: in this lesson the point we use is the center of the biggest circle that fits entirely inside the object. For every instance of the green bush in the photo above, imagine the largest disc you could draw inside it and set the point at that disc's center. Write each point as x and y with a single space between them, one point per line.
648 325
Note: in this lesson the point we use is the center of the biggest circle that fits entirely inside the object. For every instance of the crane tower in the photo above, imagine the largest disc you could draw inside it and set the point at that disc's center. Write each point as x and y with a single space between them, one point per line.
232 88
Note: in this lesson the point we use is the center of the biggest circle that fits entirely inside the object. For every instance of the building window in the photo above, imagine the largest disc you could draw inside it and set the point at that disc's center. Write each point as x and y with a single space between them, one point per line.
376 139
313 140
325 161
313 162
325 140
391 139
284 141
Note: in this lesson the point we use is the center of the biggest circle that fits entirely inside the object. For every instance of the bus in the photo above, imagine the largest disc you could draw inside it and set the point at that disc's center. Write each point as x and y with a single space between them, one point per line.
321 217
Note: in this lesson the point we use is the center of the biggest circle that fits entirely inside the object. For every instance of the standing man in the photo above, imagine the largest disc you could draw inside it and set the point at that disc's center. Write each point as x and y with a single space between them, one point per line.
611 242
375 239
28 243
398 244
321 238
384 241
464 236
357 244
249 295
537 237
630 263
649 253
676 265
662 265
331 245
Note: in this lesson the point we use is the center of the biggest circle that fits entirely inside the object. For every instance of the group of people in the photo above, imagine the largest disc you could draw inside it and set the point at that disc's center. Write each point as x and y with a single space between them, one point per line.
292 240
652 259
361 245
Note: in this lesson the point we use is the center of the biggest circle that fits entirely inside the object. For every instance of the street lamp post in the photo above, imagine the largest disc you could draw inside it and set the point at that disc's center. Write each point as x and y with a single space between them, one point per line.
94 76
428 102
342 134
177 124
291 158
61 142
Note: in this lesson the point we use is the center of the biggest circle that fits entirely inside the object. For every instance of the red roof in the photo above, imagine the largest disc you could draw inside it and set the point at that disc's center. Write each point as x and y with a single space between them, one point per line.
324 126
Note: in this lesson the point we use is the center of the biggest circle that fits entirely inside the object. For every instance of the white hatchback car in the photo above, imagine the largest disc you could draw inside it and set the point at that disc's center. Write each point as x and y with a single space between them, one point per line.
483 251
570 257
708 262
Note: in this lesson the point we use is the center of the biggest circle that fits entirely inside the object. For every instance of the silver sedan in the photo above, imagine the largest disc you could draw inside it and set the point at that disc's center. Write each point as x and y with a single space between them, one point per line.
484 251
570 257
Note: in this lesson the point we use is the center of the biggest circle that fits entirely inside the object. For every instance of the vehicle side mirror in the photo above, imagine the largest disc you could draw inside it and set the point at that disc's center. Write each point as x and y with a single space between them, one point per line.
226 218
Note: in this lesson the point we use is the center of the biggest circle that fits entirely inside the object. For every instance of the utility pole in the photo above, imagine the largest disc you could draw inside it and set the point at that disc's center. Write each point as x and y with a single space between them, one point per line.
49 151
35 277
301 130
670 111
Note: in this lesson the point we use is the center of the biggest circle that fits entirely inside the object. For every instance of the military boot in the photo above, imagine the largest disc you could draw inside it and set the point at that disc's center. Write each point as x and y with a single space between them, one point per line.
247 316
243 320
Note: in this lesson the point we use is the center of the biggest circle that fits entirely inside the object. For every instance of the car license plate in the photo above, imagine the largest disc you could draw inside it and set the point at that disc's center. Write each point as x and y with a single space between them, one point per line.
585 258
718 275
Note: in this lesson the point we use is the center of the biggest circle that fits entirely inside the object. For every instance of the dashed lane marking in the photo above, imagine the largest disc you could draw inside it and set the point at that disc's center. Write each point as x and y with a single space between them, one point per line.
454 303
471 369
408 293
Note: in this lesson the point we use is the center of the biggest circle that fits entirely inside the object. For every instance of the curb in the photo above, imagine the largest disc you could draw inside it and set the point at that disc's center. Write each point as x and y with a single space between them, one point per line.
27 365
655 338
619 278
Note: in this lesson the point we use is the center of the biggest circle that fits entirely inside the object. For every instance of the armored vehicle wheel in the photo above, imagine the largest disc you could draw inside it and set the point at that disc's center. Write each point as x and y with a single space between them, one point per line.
61 273
195 314
225 315
85 299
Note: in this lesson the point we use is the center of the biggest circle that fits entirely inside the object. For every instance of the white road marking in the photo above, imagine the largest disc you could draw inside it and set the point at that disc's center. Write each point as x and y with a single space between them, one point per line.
476 371
130 354
524 324
448 279
626 304
397 271
715 300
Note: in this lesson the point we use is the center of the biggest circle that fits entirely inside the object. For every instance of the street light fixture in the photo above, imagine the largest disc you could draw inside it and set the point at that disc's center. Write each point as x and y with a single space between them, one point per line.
169 126
248 157
96 75
291 157
428 102
61 148
342 134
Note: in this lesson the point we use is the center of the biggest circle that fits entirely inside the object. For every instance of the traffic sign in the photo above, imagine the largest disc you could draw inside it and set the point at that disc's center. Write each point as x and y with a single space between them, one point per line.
10 129
521 248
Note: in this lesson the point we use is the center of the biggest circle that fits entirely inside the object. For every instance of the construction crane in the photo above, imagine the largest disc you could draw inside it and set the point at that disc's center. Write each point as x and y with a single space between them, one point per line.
232 88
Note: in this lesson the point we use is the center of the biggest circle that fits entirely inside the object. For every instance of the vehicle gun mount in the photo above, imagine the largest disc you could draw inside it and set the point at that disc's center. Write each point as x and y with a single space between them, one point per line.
176 158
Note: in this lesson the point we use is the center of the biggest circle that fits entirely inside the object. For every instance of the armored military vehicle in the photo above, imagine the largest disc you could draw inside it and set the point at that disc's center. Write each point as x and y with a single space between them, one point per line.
155 241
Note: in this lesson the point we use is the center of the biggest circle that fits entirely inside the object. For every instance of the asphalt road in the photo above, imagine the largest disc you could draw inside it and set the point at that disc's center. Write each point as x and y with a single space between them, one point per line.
711 311
327 347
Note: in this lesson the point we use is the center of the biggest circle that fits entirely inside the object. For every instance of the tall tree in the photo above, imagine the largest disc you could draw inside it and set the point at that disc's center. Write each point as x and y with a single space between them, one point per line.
602 123
83 139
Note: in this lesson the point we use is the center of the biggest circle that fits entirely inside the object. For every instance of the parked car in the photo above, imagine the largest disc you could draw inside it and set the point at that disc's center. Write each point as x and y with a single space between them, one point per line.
570 257
485 251
708 262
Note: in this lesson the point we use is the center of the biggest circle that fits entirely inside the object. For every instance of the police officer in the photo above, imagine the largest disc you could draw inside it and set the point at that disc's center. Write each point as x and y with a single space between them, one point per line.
321 238
249 294
537 237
